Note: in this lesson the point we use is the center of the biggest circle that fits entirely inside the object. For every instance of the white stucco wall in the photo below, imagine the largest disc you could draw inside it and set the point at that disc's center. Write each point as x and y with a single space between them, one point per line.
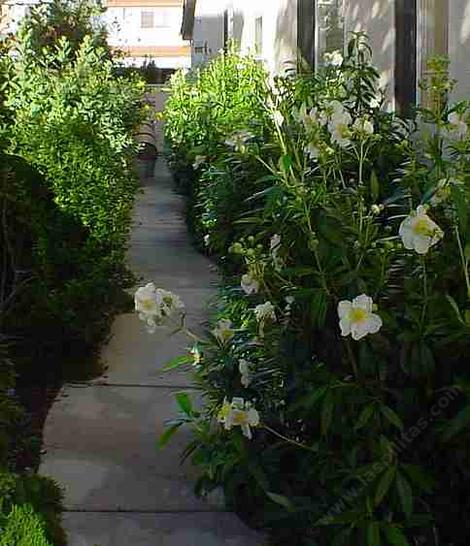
125 30
459 46
377 19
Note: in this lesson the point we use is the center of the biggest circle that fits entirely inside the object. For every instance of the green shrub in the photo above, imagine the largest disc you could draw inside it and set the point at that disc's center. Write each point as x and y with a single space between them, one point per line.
23 527
355 427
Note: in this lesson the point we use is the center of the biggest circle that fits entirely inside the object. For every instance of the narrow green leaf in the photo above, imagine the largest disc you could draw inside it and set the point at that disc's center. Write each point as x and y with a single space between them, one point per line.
459 422
405 494
373 533
327 412
374 186
167 435
395 536
365 416
281 500
384 485
455 307
391 417
184 402
177 362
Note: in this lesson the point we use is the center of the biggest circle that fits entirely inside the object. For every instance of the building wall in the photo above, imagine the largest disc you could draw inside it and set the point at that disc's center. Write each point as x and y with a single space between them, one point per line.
161 42
459 46
377 19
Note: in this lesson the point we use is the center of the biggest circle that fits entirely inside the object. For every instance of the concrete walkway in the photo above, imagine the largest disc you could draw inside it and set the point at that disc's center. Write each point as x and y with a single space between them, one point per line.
100 437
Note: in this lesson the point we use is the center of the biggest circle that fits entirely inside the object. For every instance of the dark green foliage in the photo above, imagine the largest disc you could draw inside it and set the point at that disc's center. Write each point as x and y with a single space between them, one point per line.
360 442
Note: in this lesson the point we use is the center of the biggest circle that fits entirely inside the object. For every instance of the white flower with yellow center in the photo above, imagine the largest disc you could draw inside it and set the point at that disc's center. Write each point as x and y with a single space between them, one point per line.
238 139
364 126
457 125
339 125
244 368
239 413
155 304
196 354
224 331
265 311
418 232
249 284
334 58
357 319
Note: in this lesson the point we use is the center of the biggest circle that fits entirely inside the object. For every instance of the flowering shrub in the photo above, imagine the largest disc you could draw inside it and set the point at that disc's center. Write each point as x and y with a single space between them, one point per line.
337 367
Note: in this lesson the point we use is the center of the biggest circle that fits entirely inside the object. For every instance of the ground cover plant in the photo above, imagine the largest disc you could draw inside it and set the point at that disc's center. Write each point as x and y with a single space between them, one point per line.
335 378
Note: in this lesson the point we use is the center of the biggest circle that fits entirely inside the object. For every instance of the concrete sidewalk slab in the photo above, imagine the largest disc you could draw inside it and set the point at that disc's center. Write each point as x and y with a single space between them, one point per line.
100 444
182 529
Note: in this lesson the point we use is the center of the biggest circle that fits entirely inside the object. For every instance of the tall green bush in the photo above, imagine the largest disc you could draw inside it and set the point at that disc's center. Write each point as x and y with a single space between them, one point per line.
337 370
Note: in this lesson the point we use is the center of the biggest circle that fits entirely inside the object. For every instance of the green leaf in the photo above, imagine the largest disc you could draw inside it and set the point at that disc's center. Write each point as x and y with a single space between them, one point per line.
285 162
455 307
365 416
459 422
177 362
184 402
391 417
405 493
373 533
384 485
374 186
327 412
467 251
281 500
167 435
395 536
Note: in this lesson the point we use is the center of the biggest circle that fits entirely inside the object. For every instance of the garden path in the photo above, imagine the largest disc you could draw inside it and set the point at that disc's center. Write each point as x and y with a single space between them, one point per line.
100 436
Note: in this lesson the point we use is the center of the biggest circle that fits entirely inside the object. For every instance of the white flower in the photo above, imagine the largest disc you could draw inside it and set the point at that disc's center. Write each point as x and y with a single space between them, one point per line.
196 354
339 125
334 58
278 118
457 125
155 304
169 303
312 151
223 330
145 301
265 311
249 284
239 413
245 372
206 239
375 102
364 125
356 317
198 161
418 232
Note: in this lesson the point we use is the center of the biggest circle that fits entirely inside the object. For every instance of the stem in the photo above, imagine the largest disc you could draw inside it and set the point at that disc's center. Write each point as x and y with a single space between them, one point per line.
463 260
293 442
352 359
425 291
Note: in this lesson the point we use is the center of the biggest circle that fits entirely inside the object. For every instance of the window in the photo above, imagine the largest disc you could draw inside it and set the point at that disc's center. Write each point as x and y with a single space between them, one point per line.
329 28
147 19
163 18
259 36
321 29
405 55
